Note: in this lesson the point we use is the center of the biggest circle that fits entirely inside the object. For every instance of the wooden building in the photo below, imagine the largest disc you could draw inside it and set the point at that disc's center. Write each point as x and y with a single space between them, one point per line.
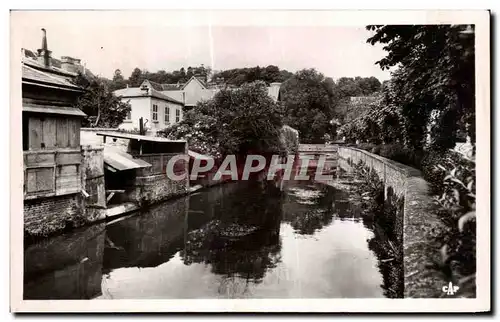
51 137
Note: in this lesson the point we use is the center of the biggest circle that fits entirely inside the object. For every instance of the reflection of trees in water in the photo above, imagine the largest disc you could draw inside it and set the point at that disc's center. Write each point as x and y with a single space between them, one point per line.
309 207
384 243
147 239
243 239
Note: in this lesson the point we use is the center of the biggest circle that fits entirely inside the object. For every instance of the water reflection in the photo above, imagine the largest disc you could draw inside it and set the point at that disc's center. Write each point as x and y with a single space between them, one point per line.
245 239
242 239
65 267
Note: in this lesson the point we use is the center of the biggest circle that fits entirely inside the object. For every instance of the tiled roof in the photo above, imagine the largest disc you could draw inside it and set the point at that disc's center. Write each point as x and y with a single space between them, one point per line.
136 92
163 87
171 87
34 73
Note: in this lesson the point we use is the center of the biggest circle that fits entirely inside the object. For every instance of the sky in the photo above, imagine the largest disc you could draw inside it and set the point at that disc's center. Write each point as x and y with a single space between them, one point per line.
106 41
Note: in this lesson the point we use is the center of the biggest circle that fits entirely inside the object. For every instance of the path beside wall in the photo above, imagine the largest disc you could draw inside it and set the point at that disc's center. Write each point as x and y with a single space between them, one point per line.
420 222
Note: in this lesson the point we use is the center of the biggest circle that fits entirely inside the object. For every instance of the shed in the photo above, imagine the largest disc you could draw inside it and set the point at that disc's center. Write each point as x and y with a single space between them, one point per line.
141 172
51 131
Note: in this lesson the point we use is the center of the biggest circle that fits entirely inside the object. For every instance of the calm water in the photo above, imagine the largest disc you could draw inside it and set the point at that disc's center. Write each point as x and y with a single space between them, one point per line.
239 240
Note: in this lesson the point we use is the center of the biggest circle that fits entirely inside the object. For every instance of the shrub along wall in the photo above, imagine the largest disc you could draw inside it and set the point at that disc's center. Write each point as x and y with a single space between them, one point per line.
420 224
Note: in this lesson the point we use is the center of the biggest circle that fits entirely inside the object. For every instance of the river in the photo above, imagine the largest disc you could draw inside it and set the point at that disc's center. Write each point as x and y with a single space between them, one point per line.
237 240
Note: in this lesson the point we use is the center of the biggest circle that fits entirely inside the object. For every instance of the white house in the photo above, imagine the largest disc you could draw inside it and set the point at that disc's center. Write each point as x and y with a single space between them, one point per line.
161 105
157 109
190 93
196 90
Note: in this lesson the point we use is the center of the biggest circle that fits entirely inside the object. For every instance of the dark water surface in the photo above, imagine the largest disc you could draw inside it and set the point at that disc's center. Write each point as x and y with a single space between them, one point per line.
238 240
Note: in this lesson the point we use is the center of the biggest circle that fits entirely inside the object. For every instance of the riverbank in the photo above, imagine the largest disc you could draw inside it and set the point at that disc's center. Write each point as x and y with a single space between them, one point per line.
419 224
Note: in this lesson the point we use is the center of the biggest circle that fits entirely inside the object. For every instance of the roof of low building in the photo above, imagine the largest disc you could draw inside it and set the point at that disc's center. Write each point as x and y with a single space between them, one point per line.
164 87
138 92
34 72
115 160
122 135
53 109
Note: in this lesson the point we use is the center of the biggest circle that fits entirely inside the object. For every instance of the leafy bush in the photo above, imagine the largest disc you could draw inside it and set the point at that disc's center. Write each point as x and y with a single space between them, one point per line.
401 154
366 146
458 212
289 139
396 152
435 164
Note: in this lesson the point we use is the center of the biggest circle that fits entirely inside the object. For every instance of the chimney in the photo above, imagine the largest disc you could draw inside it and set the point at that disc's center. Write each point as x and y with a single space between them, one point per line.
44 52
70 64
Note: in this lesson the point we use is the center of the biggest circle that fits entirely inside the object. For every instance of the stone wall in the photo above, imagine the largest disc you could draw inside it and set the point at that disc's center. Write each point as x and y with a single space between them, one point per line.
420 223
153 189
44 216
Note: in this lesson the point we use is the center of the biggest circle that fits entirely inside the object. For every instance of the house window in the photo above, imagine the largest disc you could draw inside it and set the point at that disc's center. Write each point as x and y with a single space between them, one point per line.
177 115
167 115
129 115
155 112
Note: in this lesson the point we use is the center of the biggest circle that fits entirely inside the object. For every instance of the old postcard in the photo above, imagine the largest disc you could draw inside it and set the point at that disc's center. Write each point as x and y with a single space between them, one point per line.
250 161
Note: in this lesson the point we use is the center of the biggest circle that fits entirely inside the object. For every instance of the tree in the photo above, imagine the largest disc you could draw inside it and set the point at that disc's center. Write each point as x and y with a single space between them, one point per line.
238 76
270 74
118 81
308 104
136 78
189 73
237 121
103 109
434 81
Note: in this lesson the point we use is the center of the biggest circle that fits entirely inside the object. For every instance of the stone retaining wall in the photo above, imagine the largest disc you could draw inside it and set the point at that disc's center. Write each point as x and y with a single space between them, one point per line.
420 222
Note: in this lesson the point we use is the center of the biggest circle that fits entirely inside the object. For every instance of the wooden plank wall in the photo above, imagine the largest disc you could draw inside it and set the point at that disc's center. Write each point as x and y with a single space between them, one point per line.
51 173
158 163
50 132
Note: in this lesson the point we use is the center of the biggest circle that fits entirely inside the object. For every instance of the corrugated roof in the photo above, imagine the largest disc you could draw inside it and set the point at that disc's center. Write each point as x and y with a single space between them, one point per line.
138 92
138 137
53 109
121 161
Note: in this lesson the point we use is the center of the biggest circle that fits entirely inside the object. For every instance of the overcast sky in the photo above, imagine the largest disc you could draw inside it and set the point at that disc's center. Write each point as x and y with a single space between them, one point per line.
106 41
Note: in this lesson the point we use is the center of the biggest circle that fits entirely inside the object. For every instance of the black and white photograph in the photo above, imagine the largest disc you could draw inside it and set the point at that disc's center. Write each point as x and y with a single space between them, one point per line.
225 161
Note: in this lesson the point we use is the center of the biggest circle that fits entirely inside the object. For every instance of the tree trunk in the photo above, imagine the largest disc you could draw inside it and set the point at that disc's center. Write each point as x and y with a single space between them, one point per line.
98 113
